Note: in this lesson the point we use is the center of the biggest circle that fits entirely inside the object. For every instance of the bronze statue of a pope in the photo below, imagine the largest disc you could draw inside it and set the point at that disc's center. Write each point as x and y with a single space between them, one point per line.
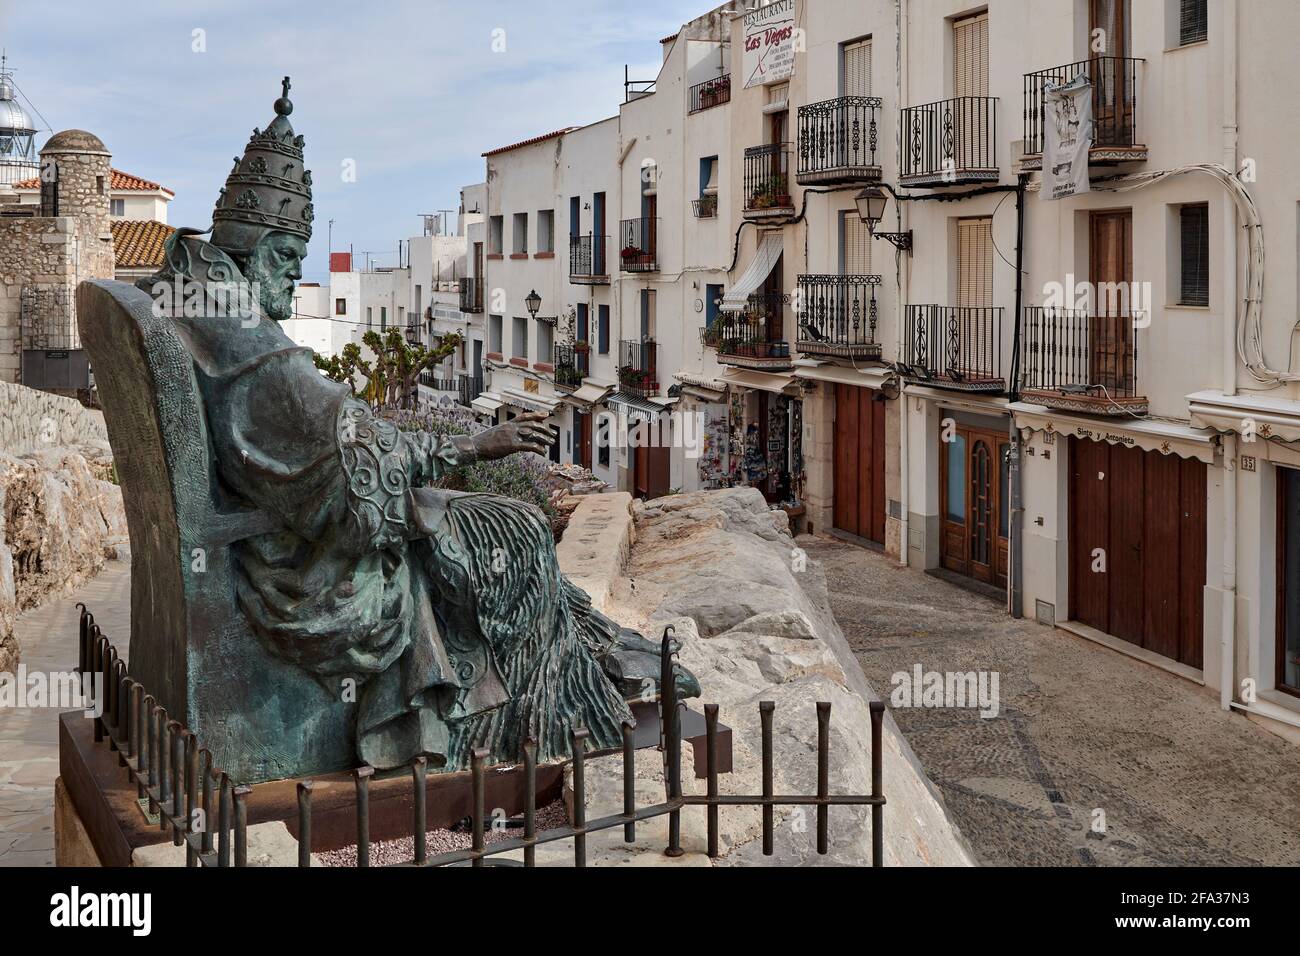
445 613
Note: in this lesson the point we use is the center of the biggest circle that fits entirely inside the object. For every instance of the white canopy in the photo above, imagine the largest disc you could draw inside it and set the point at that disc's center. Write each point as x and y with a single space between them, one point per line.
760 267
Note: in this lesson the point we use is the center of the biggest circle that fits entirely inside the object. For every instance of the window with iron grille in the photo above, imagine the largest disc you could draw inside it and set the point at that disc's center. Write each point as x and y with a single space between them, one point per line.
1193 22
1194 242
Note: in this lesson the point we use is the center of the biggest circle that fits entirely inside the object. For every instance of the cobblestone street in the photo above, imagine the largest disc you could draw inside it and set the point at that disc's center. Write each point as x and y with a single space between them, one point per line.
1081 729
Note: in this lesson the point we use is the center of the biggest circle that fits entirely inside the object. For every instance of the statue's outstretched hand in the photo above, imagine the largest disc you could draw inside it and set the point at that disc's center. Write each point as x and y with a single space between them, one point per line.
528 432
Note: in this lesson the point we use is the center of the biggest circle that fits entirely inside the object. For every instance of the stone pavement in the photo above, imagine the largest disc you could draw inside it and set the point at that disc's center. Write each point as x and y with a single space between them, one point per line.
1081 729
29 738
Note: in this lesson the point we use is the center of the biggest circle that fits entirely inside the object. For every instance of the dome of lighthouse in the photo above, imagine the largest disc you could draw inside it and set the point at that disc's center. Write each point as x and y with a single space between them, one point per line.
18 158
13 118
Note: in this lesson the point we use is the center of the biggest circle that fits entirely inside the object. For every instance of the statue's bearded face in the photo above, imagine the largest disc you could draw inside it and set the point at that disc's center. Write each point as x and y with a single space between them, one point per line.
275 264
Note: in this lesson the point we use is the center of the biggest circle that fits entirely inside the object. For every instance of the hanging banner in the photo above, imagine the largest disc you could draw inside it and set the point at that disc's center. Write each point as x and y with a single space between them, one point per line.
1067 137
769 43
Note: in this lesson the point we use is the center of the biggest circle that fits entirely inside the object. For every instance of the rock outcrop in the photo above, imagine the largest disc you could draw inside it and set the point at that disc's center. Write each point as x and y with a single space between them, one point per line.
755 624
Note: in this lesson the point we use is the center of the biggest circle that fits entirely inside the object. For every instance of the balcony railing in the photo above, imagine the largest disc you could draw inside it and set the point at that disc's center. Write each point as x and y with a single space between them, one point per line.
638 241
468 387
1074 360
950 142
429 378
1114 106
754 337
767 180
638 367
712 92
838 140
953 347
588 260
706 207
471 294
838 317
570 367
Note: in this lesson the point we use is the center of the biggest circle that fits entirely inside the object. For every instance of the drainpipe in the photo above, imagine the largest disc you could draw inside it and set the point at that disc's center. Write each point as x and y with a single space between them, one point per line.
1015 580
1228 639
904 417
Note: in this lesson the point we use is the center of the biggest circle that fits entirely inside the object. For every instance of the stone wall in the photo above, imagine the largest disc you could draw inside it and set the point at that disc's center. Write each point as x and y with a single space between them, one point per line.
31 420
33 252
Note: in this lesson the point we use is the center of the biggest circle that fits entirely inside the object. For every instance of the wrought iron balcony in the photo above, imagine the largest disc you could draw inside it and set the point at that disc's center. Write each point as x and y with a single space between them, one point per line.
638 245
767 181
468 387
838 140
712 92
754 337
706 207
950 143
953 347
638 367
838 317
588 260
570 367
1077 361
471 295
429 379
1114 108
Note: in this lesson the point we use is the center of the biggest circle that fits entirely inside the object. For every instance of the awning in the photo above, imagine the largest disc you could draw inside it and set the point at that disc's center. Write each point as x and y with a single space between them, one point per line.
636 407
871 377
1258 415
487 403
1168 438
529 403
589 394
702 394
763 381
760 267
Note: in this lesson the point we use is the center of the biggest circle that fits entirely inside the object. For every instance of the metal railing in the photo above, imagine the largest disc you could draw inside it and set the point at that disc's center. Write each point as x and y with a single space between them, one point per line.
1077 353
954 346
638 367
471 294
587 257
753 336
570 367
706 207
430 379
838 315
46 318
207 813
838 140
953 140
767 178
638 241
1114 100
712 92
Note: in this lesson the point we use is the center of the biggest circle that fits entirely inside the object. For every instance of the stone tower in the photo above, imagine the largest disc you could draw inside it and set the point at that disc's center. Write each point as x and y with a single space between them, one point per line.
82 177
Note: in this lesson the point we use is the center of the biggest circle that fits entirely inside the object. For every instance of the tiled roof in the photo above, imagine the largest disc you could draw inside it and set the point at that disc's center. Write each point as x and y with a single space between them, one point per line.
530 142
118 182
138 243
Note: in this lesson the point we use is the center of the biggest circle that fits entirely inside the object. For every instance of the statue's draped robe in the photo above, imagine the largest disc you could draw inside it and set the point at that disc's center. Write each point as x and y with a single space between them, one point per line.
445 613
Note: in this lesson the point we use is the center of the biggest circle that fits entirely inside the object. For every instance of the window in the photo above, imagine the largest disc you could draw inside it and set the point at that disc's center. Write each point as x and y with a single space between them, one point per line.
1194 255
709 176
712 295
855 244
575 216
605 426
1287 677
494 334
519 340
1193 22
383 318
545 342
975 263
340 306
970 56
647 315
855 68
496 228
602 329
546 230
117 207
370 319
520 246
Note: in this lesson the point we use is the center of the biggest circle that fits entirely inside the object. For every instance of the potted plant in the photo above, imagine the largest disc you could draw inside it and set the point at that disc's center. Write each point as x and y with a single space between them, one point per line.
630 252
582 345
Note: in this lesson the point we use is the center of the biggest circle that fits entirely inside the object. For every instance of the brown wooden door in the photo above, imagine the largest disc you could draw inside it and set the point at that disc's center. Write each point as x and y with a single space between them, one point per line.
1110 331
859 471
651 463
1137 547
582 428
973 519
1112 106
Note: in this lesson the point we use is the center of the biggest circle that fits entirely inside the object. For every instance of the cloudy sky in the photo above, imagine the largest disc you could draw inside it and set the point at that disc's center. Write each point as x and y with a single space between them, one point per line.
412 92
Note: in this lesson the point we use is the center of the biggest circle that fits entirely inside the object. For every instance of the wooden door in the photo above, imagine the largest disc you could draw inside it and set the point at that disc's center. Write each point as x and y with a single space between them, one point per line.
973 522
1108 26
582 425
651 462
859 456
1110 334
1137 547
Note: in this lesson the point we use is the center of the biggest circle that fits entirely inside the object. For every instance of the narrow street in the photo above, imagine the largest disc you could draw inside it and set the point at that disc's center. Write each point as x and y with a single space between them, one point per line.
1081 729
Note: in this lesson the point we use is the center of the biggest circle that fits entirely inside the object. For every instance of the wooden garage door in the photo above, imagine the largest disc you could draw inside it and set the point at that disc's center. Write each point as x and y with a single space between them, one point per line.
1137 547
859 463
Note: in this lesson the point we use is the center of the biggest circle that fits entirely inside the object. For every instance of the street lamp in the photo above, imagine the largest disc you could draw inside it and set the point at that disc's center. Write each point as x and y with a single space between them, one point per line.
871 207
533 302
